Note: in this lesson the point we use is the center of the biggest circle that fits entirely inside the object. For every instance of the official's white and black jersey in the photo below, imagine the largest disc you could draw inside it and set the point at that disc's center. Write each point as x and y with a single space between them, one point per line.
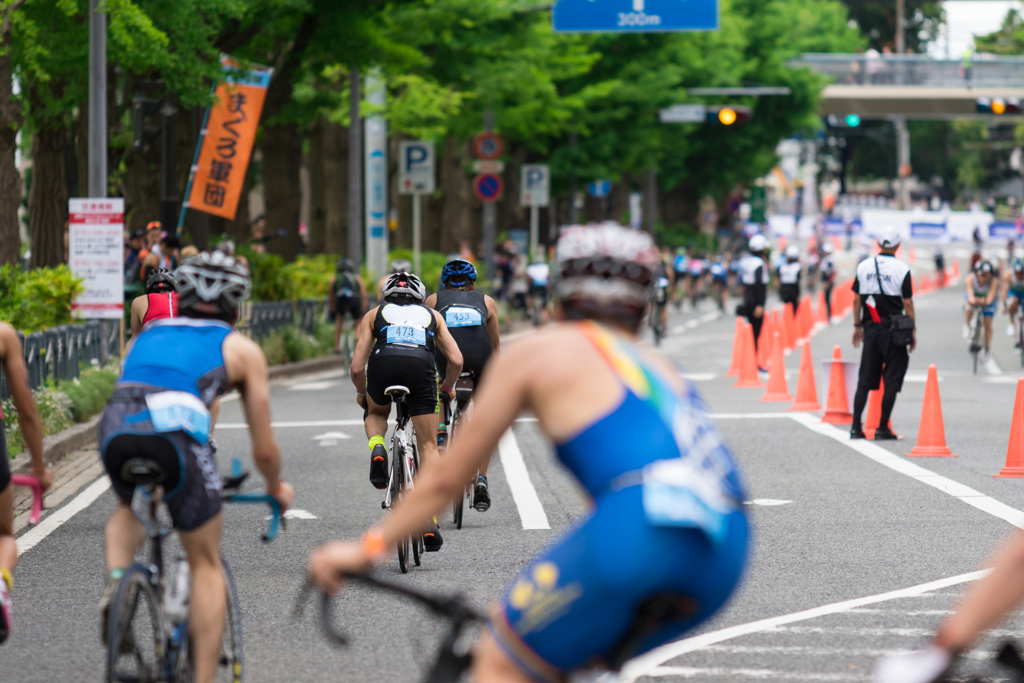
828 269
753 270
789 273
888 295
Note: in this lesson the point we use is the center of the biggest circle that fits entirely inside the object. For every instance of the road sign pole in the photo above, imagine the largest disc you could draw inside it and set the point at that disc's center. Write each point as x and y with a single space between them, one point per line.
97 165
534 231
417 233
490 217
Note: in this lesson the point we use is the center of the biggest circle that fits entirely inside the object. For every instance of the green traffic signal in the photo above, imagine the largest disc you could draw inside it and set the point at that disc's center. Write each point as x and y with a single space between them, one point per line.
852 120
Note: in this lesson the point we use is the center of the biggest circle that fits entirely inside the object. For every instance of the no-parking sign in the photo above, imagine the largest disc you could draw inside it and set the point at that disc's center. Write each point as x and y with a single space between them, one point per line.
488 146
488 187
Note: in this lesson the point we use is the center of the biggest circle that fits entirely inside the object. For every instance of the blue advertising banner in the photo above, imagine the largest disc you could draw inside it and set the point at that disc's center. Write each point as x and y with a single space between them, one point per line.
1002 230
837 226
634 16
927 230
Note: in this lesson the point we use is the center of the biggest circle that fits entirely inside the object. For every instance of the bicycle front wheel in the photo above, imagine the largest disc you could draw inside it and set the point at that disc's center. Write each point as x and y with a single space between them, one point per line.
232 653
135 631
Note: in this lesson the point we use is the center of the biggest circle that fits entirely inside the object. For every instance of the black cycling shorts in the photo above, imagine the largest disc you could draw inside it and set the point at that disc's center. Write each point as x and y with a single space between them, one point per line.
192 490
348 305
413 369
5 465
474 360
881 359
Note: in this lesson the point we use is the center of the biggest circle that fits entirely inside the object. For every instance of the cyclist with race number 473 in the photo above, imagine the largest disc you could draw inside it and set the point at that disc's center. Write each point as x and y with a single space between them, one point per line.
665 541
472 320
395 346
160 410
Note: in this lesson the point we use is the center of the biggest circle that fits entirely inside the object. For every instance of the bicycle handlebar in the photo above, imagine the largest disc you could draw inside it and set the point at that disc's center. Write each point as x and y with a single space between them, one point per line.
37 494
276 518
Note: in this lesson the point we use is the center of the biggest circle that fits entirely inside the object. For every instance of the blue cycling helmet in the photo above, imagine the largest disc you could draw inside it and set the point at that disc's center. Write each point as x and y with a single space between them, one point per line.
458 273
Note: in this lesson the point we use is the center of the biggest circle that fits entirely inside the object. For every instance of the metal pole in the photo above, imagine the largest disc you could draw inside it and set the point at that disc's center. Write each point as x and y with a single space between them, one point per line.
97 101
490 218
534 231
574 212
169 163
902 162
417 232
901 27
652 201
355 170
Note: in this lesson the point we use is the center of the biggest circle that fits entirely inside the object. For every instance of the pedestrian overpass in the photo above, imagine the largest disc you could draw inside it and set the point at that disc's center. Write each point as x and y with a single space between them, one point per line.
912 86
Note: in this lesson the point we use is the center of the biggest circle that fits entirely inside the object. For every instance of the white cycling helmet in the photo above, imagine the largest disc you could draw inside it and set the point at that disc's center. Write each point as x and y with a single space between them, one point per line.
403 289
757 244
827 247
792 252
888 238
212 285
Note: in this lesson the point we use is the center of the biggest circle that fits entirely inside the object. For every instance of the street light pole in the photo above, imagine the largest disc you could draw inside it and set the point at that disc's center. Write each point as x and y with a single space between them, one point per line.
490 217
355 169
97 163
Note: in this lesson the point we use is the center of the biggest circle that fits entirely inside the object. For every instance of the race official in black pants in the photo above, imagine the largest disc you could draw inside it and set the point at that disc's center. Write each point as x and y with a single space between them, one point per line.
753 274
883 291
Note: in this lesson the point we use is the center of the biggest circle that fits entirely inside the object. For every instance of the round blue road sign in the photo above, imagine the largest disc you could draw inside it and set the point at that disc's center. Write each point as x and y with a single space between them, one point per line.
488 187
599 188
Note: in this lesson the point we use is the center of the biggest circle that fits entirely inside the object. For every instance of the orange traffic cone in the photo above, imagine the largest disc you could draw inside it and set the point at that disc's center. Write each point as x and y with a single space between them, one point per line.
805 321
806 387
1015 452
874 417
748 378
913 254
789 332
931 435
837 407
737 347
821 316
764 346
777 390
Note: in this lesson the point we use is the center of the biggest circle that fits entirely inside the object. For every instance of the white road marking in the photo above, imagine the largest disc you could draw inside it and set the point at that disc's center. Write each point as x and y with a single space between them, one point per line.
992 367
767 502
324 423
919 377
298 514
650 661
711 317
330 438
531 512
313 386
678 329
914 471
746 416
51 523
760 674
699 376
690 324
1002 379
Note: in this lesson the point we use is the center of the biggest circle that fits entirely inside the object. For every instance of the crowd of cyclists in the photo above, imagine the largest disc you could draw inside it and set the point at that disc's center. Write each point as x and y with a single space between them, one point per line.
663 485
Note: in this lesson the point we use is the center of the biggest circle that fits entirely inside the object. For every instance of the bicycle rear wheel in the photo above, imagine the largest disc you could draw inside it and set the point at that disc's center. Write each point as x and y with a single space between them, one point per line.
135 631
232 653
397 485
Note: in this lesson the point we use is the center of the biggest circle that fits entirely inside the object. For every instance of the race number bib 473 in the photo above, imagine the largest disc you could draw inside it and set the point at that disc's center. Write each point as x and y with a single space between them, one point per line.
462 317
407 335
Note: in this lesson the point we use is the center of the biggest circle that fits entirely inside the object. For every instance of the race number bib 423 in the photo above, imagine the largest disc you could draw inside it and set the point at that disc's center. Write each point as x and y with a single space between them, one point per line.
407 335
462 317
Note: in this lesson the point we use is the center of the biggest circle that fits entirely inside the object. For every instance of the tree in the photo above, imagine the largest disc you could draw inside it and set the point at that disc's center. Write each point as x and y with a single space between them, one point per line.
11 118
1008 40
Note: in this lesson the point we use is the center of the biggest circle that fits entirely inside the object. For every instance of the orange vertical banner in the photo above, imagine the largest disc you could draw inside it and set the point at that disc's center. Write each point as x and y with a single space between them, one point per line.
222 159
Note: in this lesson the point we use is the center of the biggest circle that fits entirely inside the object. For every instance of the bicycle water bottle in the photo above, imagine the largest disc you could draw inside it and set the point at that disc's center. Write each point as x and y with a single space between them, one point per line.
176 595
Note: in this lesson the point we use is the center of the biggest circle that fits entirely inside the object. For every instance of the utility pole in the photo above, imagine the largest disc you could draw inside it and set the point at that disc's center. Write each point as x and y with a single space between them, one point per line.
490 217
355 169
97 163
169 163
901 27
574 211
652 200
903 168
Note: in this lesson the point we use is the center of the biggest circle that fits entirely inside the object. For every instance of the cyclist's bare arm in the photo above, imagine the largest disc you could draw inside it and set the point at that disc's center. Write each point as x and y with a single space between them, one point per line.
247 370
331 301
450 349
989 601
139 309
24 403
492 323
364 344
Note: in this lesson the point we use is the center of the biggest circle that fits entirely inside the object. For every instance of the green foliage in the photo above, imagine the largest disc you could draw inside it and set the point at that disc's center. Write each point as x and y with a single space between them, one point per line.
1008 40
309 277
291 344
89 393
38 299
268 283
431 264
55 411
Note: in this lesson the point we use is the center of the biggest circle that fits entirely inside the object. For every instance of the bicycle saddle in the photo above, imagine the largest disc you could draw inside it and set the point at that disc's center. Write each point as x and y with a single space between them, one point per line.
143 472
397 391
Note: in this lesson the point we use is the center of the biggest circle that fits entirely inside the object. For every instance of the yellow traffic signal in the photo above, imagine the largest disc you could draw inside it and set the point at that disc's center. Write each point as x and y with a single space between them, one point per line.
727 116
998 106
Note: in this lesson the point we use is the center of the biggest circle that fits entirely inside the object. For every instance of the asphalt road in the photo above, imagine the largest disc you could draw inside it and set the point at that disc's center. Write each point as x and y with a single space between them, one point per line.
832 524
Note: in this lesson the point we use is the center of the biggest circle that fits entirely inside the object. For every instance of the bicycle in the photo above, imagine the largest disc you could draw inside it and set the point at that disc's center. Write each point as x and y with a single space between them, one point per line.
405 461
657 314
453 416
146 641
348 343
976 335
454 658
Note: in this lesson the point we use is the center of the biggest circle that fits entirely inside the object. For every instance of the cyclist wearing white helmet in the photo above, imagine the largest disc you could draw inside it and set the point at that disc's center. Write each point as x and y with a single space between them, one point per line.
399 265
753 276
1014 283
402 334
789 277
160 411
665 541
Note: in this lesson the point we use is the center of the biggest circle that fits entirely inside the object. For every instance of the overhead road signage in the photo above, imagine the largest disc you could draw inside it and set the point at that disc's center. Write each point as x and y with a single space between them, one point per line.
634 16
684 113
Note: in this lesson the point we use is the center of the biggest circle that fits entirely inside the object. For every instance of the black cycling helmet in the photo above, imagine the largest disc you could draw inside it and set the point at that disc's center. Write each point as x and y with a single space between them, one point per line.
458 273
212 285
161 281
985 267
346 265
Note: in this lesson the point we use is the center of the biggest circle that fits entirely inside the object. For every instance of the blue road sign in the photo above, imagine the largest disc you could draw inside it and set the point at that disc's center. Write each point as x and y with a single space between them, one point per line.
488 187
634 16
599 188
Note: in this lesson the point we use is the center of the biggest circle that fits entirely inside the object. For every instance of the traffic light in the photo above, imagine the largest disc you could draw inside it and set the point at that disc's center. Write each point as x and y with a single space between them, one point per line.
852 120
998 106
848 121
728 114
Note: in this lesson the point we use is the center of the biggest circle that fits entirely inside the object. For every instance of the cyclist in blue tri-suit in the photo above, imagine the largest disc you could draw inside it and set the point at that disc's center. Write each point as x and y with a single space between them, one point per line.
666 532
160 410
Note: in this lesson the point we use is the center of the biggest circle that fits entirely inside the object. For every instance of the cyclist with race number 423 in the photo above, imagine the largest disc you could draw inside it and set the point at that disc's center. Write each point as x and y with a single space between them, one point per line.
395 346
665 541
160 410
472 320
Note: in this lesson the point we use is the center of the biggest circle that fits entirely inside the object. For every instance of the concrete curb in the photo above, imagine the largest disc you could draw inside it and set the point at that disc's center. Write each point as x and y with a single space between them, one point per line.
331 362
57 446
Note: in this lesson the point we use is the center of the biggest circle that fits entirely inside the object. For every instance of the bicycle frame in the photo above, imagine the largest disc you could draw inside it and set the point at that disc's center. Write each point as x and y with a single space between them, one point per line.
404 437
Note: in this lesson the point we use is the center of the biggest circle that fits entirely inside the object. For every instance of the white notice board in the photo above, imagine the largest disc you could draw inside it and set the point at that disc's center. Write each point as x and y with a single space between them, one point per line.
96 254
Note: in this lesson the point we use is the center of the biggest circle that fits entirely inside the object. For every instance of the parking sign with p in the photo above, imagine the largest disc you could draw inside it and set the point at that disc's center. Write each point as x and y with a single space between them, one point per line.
416 167
535 185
